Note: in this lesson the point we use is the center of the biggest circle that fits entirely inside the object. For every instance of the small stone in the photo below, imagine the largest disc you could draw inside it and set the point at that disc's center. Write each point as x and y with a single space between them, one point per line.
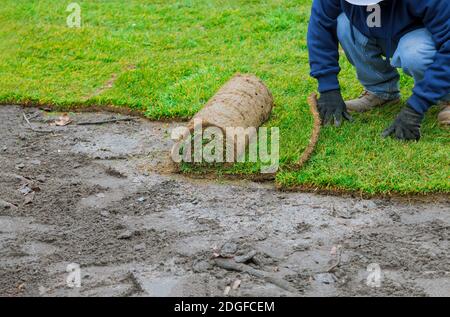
246 257
48 239
141 199
228 249
369 204
35 162
4 149
303 227
139 247
25 189
363 205
201 266
127 234
260 235
104 213
325 278
343 213
301 247
259 260
41 178
20 166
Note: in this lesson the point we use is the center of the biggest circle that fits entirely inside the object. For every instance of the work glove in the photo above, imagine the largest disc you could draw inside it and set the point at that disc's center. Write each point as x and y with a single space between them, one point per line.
406 126
332 107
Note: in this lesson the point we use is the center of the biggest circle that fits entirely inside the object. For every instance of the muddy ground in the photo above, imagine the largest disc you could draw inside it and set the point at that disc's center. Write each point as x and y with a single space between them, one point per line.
92 195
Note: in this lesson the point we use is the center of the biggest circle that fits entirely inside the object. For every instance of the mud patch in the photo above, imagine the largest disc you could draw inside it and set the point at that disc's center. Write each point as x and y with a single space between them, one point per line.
98 202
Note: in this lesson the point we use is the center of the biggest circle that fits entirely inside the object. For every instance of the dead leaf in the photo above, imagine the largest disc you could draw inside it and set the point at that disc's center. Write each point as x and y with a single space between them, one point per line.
335 250
28 199
216 251
25 189
227 291
7 205
35 188
63 120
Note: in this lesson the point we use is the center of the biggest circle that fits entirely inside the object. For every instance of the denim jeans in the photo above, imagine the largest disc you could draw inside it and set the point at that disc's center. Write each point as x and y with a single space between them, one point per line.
414 53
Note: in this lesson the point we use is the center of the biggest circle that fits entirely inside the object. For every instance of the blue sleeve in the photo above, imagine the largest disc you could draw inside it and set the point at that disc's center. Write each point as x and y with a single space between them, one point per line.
323 44
436 83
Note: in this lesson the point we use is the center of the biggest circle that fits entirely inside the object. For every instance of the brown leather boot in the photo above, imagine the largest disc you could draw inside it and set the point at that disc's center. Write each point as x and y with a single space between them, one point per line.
444 115
368 101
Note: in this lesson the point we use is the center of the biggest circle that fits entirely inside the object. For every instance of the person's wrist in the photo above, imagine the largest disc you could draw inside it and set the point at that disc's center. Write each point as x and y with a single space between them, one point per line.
328 82
332 94
333 91
413 112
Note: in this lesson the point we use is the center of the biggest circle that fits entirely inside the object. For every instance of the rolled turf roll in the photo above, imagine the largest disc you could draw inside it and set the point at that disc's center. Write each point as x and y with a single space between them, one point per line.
244 103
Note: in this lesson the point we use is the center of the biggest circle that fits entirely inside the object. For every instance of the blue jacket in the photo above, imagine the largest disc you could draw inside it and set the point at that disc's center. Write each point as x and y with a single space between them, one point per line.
398 18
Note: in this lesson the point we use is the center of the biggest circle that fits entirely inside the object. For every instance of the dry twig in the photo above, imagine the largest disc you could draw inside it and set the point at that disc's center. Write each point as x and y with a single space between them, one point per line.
231 265
105 121
32 127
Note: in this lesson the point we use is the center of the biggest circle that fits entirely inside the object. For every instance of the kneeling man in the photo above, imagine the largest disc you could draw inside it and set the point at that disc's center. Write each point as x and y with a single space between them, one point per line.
379 36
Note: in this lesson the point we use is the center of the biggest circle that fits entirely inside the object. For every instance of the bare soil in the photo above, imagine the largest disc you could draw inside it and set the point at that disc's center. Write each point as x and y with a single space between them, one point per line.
94 195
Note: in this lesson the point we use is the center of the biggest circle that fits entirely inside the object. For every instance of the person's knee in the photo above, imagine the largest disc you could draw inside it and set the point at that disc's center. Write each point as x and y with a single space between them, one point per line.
343 28
415 53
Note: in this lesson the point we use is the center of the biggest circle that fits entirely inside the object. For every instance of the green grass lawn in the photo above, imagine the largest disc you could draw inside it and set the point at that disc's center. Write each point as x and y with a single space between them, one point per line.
170 57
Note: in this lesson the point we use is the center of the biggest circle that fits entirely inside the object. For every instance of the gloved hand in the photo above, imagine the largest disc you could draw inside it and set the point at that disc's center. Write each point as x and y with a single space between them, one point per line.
332 106
406 126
